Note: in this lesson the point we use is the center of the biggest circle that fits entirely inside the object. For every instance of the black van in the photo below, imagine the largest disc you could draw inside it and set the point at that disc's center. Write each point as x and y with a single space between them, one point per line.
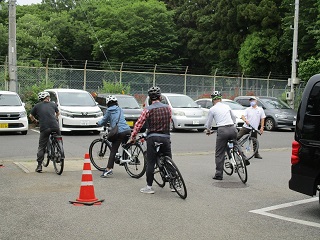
305 158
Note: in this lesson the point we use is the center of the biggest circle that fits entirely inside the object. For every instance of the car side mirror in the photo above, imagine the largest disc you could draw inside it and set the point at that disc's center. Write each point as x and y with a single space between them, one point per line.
199 106
23 104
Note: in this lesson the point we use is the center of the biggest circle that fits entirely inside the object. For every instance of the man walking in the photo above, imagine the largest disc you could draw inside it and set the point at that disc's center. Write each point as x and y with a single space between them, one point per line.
225 120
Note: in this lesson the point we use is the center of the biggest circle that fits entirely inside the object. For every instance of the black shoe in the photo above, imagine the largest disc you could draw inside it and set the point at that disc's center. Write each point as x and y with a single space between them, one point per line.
247 162
257 156
217 178
39 168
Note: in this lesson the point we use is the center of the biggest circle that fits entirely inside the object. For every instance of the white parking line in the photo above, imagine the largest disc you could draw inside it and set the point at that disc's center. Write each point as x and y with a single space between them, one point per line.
37 131
265 212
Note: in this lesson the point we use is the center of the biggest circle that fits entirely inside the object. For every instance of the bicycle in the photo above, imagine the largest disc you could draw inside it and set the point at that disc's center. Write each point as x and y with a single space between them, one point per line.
55 153
132 158
234 162
167 171
249 145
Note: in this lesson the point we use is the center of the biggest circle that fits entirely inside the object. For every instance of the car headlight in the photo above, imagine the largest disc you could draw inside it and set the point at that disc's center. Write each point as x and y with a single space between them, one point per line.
178 113
99 114
66 114
23 114
281 116
204 113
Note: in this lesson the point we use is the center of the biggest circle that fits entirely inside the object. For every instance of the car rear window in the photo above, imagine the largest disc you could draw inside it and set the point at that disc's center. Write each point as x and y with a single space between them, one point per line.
311 125
128 103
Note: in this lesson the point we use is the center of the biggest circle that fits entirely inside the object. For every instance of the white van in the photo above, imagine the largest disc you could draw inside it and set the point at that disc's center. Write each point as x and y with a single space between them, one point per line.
13 115
78 110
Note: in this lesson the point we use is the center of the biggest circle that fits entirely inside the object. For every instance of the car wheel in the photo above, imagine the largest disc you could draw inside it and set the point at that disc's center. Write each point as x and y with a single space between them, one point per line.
172 128
24 132
269 124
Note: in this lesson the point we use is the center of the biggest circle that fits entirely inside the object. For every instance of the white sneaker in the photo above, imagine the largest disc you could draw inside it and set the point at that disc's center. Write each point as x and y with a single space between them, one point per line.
147 189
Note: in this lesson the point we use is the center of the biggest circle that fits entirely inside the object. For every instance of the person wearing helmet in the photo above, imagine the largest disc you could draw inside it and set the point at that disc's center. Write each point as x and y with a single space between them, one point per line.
225 120
46 113
114 116
253 116
157 116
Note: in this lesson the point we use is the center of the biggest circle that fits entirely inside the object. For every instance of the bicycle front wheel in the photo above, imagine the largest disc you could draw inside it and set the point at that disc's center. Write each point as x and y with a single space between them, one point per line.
175 178
58 161
158 175
249 146
227 166
137 166
241 167
99 152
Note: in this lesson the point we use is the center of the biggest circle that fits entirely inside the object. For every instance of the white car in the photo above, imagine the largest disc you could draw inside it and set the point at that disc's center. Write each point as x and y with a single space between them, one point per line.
186 114
13 115
78 110
238 109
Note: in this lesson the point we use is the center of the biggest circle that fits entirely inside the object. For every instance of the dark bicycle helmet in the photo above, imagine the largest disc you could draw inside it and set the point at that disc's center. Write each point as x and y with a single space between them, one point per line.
216 95
43 95
154 93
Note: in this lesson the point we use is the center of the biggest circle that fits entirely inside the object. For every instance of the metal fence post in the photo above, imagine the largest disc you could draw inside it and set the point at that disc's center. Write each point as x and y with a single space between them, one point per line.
214 79
154 75
85 75
185 81
241 85
47 71
120 73
268 83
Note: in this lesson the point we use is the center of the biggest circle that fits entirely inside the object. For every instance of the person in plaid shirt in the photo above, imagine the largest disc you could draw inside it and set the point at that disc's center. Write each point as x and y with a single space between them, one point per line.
157 116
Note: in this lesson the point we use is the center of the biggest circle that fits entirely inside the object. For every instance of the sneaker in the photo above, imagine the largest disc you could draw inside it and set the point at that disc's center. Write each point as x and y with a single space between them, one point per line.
106 173
39 169
257 156
217 178
246 162
147 189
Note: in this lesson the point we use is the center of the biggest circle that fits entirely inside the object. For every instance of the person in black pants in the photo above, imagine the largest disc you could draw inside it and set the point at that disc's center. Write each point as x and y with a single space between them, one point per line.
158 117
115 116
46 113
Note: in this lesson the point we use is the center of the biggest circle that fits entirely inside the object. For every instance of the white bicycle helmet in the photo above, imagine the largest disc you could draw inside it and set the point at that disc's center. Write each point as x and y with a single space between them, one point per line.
111 98
43 95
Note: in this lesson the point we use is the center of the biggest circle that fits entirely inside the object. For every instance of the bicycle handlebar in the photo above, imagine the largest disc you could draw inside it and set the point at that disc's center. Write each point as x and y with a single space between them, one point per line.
253 129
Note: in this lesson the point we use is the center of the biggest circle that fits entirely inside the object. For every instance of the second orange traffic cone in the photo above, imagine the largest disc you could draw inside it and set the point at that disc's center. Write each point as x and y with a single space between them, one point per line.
87 196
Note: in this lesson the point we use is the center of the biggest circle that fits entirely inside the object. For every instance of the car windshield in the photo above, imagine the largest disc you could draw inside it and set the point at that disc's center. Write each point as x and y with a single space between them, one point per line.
76 99
182 102
275 104
234 105
128 103
9 100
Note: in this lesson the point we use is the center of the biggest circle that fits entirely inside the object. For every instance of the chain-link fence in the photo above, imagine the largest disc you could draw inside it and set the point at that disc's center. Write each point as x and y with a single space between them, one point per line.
196 86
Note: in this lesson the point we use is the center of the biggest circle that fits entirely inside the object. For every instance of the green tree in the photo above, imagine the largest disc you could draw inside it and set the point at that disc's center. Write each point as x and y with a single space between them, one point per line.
309 68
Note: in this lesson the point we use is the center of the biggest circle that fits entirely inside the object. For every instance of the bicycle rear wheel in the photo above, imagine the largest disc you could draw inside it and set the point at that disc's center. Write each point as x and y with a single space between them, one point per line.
158 175
227 166
241 167
58 161
99 152
175 178
247 146
137 166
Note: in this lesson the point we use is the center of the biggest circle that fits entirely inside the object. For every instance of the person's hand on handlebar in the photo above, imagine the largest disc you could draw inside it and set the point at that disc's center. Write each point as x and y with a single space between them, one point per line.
208 132
131 140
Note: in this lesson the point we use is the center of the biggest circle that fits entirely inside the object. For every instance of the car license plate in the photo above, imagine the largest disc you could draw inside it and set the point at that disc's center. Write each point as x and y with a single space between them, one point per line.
195 122
294 123
130 123
84 123
4 125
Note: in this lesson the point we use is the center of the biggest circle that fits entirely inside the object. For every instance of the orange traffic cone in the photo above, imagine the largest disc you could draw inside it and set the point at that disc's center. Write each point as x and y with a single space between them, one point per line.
87 196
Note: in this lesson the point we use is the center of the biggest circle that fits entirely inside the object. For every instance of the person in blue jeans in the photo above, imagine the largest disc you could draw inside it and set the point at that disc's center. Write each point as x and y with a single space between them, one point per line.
112 116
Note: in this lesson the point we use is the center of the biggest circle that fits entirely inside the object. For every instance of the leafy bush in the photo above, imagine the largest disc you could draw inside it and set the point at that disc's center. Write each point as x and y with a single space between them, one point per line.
114 87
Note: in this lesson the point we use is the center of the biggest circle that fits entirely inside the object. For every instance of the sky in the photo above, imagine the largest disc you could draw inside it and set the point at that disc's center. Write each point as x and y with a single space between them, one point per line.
26 2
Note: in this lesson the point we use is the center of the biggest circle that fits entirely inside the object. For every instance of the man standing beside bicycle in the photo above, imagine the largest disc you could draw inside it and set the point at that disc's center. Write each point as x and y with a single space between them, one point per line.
47 114
225 120
253 116
158 117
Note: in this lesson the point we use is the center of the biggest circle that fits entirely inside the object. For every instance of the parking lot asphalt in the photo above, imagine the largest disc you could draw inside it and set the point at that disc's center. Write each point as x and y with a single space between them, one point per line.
36 206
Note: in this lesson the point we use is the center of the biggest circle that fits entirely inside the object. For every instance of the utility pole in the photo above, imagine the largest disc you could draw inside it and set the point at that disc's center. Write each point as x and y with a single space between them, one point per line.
294 80
12 49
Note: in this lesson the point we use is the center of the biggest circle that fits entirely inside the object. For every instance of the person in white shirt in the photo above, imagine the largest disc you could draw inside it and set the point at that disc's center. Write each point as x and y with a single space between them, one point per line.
225 120
253 116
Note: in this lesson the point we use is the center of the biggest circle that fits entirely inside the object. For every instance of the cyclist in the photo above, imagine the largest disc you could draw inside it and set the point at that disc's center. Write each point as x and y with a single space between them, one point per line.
114 115
158 117
225 120
253 116
46 114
